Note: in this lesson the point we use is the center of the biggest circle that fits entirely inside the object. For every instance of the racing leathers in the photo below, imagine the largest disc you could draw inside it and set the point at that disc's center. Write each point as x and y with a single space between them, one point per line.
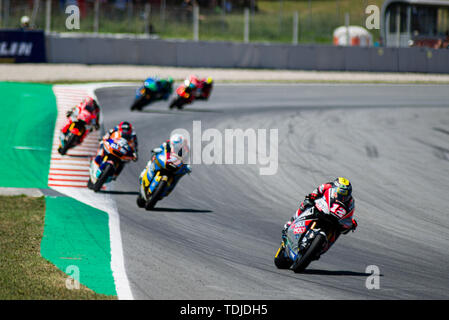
177 175
203 87
346 224
132 141
87 111
161 88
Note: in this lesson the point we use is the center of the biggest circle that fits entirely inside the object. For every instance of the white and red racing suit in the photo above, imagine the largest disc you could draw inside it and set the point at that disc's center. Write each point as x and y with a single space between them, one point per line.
86 112
203 89
345 210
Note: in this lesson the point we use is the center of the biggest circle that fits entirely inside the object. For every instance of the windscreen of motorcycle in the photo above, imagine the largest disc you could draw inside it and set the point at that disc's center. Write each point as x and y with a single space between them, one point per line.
298 227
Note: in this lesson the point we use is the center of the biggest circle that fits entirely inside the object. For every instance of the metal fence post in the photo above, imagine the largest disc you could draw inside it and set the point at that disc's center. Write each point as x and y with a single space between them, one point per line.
246 27
196 14
36 4
147 18
48 16
295 27
1 12
96 15
347 29
162 13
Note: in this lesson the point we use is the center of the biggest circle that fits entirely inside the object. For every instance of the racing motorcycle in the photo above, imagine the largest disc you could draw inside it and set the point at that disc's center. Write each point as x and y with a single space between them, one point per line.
72 137
144 96
185 94
116 150
157 179
310 234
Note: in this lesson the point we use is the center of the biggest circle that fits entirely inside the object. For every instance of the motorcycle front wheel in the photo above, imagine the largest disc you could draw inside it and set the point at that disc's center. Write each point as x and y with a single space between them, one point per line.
156 195
108 171
69 143
280 260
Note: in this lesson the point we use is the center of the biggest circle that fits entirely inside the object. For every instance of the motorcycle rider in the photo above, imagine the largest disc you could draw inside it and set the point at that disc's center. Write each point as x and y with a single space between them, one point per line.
177 151
186 90
160 87
88 111
125 131
343 193
204 87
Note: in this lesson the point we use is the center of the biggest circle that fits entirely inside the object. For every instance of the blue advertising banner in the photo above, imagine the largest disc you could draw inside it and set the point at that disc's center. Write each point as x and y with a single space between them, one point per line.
18 46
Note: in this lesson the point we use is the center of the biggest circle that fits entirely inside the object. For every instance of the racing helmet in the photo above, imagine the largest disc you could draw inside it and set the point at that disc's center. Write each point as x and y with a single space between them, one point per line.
179 147
189 85
91 105
126 129
344 189
209 80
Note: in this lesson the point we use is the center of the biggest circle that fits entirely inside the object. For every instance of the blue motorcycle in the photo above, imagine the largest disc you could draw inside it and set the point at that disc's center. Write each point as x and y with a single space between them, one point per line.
159 178
151 91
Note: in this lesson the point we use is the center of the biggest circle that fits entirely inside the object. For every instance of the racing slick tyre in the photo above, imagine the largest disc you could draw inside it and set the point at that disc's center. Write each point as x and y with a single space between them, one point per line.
138 104
90 185
311 253
108 171
178 103
69 143
156 195
140 201
280 260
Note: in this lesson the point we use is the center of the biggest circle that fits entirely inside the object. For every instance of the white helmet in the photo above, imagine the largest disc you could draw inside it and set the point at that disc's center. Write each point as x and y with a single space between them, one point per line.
179 147
24 20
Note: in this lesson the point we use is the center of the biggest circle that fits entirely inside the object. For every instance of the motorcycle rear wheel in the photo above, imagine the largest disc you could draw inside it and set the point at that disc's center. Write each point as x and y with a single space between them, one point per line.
310 254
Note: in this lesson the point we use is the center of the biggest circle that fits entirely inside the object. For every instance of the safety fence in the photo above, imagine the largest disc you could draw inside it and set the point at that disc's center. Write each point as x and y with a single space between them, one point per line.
90 49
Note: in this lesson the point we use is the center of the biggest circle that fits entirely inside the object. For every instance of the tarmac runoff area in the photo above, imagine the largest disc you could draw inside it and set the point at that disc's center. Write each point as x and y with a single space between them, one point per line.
86 73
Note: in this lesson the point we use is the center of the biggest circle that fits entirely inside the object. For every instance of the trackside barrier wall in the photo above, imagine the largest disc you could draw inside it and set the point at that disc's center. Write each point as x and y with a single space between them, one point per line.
88 49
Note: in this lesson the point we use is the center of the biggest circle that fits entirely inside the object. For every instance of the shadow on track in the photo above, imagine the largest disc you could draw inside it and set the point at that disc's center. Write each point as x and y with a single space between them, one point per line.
337 273
119 192
180 210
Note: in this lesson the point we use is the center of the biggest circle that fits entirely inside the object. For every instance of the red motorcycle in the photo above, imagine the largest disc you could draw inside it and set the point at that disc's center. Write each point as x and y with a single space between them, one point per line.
185 94
312 233
72 136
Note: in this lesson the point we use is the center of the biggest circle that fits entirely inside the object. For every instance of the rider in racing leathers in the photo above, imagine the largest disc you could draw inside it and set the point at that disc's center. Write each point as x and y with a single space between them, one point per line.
343 193
203 87
88 111
161 88
176 150
126 131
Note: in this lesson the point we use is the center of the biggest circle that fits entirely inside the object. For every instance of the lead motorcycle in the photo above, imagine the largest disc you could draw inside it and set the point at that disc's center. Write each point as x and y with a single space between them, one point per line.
310 234
157 179
116 150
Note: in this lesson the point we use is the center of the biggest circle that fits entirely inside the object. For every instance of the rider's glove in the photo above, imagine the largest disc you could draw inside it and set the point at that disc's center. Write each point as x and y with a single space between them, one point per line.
286 226
307 203
69 113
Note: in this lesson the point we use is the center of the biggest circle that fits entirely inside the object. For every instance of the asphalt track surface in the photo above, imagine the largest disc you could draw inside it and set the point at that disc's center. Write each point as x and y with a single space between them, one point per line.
216 235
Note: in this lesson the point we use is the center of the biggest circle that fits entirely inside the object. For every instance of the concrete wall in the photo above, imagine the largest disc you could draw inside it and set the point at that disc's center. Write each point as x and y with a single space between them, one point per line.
137 50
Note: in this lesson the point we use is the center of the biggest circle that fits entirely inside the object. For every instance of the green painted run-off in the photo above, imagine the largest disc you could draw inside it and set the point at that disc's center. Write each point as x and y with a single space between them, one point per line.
76 234
28 112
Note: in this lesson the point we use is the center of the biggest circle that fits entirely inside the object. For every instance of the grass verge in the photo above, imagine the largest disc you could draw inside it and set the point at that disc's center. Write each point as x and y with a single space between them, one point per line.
24 274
